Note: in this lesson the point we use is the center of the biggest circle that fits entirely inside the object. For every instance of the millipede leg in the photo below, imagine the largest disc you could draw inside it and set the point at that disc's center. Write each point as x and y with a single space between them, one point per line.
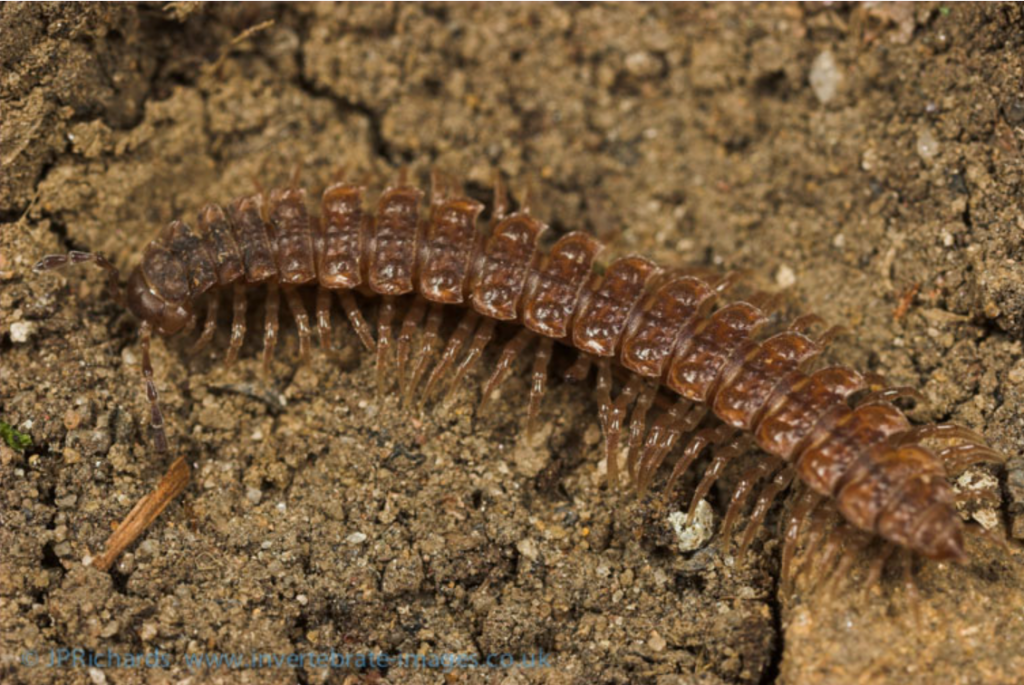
579 369
439 191
355 317
301 321
612 414
815 536
538 382
428 344
403 347
209 325
156 417
513 348
806 323
704 438
652 458
237 324
500 205
874 574
455 186
451 351
824 564
663 435
854 547
909 586
744 488
722 458
728 280
826 338
483 336
766 302
780 482
875 381
805 504
190 326
270 325
603 392
891 394
958 457
323 320
528 196
385 316
637 424
939 430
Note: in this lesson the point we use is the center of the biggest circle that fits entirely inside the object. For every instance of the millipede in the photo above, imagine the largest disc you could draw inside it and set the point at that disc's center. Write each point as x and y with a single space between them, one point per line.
677 361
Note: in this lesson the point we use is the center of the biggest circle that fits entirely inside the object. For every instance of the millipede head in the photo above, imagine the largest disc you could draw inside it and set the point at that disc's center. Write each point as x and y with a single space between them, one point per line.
145 303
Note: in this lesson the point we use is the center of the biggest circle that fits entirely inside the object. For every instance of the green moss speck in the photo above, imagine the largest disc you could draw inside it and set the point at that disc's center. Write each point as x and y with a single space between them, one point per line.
14 439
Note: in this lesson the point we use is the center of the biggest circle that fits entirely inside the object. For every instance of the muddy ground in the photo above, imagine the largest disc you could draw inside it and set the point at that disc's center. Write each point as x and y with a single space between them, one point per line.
865 159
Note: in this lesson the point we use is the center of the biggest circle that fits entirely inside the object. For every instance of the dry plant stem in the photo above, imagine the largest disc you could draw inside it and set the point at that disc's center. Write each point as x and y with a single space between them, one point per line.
144 513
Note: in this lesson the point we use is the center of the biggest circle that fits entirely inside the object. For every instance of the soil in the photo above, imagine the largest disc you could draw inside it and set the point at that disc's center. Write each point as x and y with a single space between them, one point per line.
864 159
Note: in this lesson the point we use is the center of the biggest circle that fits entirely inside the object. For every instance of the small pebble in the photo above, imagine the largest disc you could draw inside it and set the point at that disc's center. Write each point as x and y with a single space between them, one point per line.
110 629
126 564
643 64
97 676
148 632
697 534
824 77
784 276
656 642
356 538
927 145
148 548
66 502
254 495
72 419
21 331
528 548
1016 374
869 159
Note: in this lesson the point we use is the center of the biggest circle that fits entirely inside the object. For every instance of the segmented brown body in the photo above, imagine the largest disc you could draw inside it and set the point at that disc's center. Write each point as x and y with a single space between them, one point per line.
830 428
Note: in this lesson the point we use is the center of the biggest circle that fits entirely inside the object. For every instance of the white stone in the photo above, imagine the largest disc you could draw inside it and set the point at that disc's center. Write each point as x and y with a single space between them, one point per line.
785 276
528 548
927 145
21 331
696 535
824 77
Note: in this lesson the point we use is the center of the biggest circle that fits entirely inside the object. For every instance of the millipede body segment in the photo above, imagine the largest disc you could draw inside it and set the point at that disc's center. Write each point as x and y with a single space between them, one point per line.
735 380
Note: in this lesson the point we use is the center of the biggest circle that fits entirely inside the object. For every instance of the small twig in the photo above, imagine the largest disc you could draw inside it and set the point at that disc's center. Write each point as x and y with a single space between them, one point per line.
226 50
144 513
275 401
905 300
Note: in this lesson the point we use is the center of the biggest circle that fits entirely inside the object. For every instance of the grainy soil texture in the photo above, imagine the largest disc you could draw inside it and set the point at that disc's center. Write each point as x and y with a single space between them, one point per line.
863 160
